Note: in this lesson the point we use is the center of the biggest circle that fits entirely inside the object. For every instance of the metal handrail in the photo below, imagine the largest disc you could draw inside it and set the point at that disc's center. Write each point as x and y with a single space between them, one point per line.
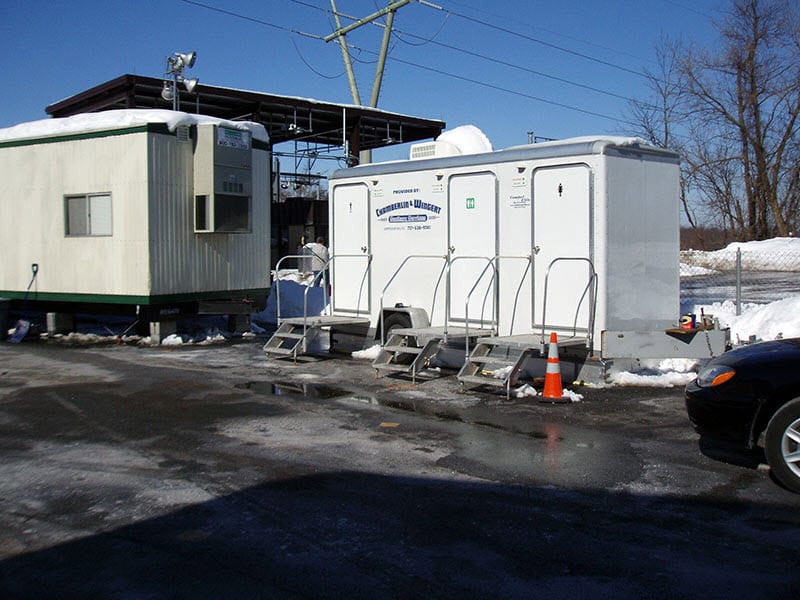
491 286
315 280
449 265
527 270
397 272
591 285
495 261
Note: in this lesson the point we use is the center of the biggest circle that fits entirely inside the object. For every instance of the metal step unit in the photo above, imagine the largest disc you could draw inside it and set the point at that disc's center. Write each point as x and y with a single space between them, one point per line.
410 350
293 335
500 361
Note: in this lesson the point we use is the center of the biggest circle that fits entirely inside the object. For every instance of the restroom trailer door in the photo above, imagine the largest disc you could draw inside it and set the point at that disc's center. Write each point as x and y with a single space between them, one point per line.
472 234
350 243
562 234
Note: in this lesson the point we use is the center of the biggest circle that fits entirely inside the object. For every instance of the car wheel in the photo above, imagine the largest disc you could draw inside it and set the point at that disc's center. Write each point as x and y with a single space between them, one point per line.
782 444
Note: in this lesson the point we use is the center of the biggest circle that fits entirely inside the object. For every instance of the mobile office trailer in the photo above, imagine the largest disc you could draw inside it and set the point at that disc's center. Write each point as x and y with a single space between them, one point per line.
157 210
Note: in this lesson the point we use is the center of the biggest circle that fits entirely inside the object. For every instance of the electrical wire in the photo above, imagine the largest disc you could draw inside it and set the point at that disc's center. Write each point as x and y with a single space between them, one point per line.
310 67
560 34
399 35
529 70
502 89
434 69
251 19
543 43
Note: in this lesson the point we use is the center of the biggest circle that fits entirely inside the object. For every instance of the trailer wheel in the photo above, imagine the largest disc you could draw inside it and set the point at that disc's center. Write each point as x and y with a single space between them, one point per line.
399 321
396 321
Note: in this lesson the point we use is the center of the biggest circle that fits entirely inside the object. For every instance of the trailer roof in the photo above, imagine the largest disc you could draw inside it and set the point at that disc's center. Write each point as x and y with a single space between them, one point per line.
286 118
570 147
117 119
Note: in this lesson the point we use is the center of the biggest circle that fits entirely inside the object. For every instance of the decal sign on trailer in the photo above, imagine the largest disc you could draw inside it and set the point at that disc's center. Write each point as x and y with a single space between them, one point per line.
407 211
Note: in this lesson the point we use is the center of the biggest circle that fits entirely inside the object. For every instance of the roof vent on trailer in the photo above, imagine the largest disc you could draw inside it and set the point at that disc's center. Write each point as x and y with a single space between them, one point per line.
436 149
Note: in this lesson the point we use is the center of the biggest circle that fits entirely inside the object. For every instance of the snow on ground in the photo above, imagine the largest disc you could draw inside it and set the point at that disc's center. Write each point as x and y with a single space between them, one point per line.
757 322
776 254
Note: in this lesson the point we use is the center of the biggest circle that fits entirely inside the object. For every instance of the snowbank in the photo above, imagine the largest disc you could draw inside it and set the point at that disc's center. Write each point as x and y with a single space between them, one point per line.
776 254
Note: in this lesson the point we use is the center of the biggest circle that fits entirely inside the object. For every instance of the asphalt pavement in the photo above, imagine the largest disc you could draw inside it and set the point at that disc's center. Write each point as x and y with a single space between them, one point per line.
215 472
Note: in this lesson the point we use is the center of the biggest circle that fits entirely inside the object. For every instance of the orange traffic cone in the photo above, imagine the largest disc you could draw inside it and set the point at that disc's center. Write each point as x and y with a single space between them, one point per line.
553 392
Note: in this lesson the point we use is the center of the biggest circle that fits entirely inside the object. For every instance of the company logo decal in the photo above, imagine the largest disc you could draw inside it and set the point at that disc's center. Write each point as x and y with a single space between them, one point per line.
416 204
408 213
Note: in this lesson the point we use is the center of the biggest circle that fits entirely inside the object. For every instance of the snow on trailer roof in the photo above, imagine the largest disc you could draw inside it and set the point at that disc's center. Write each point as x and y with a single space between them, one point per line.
118 119
481 153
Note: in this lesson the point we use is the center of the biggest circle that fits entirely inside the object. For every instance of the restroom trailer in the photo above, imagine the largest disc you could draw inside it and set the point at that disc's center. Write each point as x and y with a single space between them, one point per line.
578 237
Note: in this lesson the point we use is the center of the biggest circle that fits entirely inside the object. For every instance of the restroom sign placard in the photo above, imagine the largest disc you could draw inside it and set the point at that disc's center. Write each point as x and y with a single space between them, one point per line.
470 202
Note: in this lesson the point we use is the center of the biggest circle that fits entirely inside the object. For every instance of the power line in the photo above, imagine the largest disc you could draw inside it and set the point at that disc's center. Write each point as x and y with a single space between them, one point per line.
413 64
502 89
251 19
527 69
431 40
542 42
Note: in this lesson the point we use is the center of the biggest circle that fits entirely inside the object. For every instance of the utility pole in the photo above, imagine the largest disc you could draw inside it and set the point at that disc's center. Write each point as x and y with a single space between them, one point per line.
341 32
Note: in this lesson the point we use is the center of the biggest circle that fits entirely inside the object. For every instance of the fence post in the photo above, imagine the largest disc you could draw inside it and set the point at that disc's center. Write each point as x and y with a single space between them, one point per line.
738 281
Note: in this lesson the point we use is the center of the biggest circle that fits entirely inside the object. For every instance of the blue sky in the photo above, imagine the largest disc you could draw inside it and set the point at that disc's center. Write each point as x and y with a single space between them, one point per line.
508 66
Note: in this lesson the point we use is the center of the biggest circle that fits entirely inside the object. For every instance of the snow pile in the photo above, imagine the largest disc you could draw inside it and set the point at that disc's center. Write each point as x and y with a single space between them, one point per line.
370 353
756 321
117 119
467 138
527 390
294 295
776 254
690 270
671 372
779 319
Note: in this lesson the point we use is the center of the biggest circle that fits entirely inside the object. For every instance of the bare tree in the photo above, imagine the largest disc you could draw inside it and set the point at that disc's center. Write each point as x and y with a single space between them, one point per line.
737 109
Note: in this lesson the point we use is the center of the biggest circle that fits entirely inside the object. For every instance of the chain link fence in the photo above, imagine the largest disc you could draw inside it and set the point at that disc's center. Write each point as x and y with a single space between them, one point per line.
755 272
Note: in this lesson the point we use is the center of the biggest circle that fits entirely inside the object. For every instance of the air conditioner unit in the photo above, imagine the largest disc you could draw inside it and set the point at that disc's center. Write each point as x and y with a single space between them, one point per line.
433 150
223 180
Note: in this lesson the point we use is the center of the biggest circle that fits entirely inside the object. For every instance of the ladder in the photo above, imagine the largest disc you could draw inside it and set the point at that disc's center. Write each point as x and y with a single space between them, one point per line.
401 354
294 333
499 361
409 350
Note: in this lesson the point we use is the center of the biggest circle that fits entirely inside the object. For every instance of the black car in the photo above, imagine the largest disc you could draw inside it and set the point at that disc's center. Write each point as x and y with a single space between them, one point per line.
752 395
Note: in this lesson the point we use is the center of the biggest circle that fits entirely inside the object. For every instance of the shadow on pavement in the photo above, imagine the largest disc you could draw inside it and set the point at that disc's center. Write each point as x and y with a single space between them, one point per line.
358 535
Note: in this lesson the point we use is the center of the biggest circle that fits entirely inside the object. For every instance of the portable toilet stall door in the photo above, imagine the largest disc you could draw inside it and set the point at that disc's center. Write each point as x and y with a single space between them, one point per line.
472 234
542 219
350 235
562 239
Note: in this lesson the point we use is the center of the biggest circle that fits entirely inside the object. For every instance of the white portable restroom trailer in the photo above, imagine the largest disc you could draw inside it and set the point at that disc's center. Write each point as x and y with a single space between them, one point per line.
146 210
476 259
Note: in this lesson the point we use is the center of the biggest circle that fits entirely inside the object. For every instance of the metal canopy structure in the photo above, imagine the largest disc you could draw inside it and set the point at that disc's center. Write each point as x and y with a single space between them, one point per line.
286 118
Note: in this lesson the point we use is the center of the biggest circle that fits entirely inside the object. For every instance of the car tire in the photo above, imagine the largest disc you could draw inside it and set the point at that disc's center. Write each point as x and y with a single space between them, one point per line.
782 445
